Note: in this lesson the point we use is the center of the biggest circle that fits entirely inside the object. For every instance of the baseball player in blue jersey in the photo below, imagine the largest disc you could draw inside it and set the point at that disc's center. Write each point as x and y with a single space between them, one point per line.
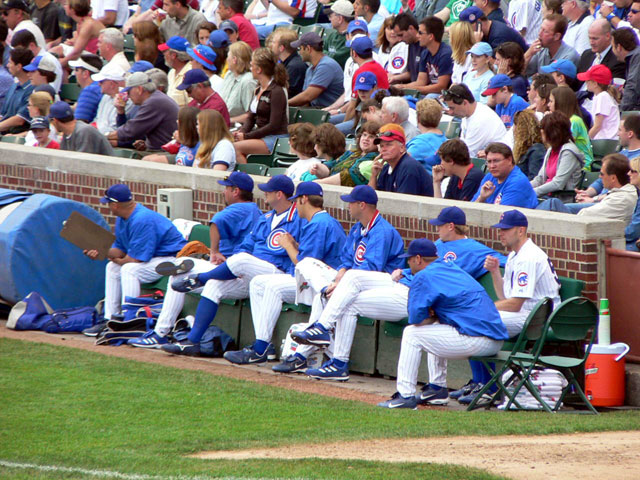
444 319
227 229
321 238
373 245
144 239
259 254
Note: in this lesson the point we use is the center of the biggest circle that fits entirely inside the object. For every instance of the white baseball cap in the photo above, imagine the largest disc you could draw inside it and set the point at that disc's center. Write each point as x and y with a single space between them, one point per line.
109 72
79 63
343 7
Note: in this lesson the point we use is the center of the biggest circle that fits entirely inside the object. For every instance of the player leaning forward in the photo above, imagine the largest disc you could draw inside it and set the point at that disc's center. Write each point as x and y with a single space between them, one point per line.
450 316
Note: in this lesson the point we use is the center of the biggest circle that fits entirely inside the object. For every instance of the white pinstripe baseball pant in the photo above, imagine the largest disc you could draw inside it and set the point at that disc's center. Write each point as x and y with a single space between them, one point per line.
514 321
442 341
267 294
124 281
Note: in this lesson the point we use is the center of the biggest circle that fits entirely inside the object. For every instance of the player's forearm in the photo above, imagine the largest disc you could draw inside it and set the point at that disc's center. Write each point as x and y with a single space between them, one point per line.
498 284
214 238
292 251
114 253
510 304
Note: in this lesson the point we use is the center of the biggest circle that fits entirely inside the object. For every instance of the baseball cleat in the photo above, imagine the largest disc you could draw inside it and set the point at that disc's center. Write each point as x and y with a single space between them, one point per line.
484 400
96 329
291 364
431 396
466 390
183 347
149 340
316 334
398 401
170 268
248 355
187 284
329 371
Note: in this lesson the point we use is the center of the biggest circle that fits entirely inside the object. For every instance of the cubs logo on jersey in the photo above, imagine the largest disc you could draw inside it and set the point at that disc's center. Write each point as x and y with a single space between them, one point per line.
498 200
361 249
397 62
450 256
523 279
273 241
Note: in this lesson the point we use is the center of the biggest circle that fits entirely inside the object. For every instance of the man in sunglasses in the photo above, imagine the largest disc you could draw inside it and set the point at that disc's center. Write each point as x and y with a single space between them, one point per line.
17 15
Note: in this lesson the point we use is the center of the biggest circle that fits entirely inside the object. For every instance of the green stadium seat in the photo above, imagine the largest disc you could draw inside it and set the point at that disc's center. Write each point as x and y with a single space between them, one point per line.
252 168
282 148
313 116
69 92
311 28
13 139
273 171
126 153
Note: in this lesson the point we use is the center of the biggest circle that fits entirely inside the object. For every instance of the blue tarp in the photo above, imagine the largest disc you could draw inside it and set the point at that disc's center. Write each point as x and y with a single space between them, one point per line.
34 258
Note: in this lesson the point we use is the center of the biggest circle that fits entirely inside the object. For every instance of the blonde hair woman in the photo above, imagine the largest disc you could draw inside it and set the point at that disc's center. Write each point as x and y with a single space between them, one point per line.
461 39
38 106
216 143
239 84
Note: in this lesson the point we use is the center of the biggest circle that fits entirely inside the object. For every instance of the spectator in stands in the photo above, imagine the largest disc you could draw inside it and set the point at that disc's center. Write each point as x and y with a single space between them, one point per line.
186 138
510 61
77 136
436 65
633 19
329 143
204 32
424 147
239 84
507 103
216 143
480 124
87 32
111 80
462 39
111 46
562 166
14 116
580 19
394 170
549 46
38 106
25 39
524 17
451 12
491 9
601 51
349 170
504 184
45 16
625 47
65 24
564 72
362 56
323 80
112 13
632 230
41 71
17 15
219 43
198 87
341 13
256 12
478 78
540 93
464 177
392 51
155 122
493 32
146 40
368 11
41 131
232 10
301 139
282 12
528 149
604 108
181 21
204 58
396 110
629 134
615 13
269 117
406 28
177 58
296 68
563 99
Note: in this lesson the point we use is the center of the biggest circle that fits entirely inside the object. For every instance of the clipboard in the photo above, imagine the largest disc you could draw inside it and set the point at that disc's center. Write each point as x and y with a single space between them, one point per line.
87 235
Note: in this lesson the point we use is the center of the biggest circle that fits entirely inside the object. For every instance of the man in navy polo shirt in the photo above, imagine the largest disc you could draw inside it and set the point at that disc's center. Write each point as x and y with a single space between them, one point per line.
493 32
507 103
406 27
399 172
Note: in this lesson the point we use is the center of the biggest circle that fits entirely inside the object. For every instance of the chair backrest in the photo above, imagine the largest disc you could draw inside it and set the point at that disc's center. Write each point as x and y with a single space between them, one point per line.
574 319
312 116
309 21
412 92
282 146
481 163
311 28
70 92
570 287
293 111
453 130
200 233
124 153
252 168
588 179
537 319
284 161
13 139
129 43
603 147
273 171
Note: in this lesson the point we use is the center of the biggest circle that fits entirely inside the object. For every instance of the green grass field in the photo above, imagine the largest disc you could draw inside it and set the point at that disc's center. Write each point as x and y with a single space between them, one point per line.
73 409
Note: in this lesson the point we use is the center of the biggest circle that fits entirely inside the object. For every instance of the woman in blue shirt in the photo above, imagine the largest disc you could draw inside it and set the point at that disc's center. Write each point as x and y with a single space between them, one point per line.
424 147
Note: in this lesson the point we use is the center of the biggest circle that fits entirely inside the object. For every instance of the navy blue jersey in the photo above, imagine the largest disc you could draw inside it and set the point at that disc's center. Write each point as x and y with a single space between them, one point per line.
435 65
375 248
147 234
408 176
322 238
457 300
234 223
468 254
262 241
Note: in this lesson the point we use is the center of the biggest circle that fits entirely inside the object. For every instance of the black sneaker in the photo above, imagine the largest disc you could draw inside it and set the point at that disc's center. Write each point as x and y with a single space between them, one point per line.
466 390
96 329
183 347
291 364
171 268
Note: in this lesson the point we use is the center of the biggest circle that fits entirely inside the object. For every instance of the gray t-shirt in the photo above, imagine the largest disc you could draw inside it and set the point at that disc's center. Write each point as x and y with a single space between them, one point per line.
88 139
543 58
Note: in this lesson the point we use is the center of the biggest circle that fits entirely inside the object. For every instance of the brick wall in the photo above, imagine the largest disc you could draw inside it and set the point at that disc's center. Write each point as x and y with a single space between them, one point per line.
573 244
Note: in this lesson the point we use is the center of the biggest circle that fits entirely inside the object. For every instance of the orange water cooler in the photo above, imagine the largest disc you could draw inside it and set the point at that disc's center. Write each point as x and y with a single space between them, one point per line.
604 375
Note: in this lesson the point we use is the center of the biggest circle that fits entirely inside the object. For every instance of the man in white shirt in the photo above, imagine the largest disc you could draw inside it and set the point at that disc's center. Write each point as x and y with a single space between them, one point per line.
480 125
177 58
111 79
111 46
580 19
17 15
367 10
112 13
525 16
282 12
26 39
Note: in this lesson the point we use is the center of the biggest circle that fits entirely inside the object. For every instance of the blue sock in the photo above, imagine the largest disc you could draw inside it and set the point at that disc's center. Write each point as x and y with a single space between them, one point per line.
205 313
477 371
221 272
435 387
260 346
339 363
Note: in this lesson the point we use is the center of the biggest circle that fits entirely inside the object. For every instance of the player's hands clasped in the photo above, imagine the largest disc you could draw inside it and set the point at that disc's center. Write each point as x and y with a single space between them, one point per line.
492 264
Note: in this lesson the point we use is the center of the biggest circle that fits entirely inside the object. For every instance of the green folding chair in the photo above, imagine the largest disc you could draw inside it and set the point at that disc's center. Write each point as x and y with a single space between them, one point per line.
308 21
282 148
273 171
129 43
13 139
252 168
313 116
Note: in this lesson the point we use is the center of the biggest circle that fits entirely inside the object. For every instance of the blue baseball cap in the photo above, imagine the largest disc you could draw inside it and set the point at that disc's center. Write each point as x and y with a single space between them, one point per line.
193 77
39 123
564 66
421 246
471 14
140 66
361 45
453 215
279 183
496 83
481 48
204 55
117 193
177 43
219 39
355 25
41 63
366 81
238 179
510 219
361 193
60 110
307 188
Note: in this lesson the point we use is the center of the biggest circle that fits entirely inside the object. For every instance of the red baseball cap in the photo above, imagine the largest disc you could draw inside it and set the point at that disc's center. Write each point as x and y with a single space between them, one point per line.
597 73
389 136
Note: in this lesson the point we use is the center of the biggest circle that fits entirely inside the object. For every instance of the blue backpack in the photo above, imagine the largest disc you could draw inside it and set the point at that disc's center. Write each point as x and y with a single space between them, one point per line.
213 343
34 313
